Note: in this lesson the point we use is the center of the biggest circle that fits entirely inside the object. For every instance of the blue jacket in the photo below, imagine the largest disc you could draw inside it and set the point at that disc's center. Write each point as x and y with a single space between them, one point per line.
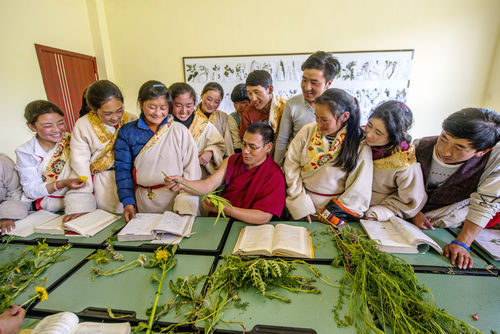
130 140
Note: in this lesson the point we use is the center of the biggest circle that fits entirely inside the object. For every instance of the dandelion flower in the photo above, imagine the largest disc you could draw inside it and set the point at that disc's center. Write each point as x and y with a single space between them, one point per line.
161 254
83 178
41 293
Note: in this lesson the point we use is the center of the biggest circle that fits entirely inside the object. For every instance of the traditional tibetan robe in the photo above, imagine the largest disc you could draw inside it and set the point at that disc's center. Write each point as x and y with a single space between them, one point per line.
92 156
36 168
142 157
261 188
271 115
11 206
208 138
221 122
398 185
471 191
234 121
313 180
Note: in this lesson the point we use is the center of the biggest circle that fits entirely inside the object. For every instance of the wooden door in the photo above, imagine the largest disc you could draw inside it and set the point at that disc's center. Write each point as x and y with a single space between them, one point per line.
65 75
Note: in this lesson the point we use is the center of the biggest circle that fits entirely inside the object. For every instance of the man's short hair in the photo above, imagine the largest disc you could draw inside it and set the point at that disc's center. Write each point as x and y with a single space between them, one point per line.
239 93
259 78
324 62
264 129
479 126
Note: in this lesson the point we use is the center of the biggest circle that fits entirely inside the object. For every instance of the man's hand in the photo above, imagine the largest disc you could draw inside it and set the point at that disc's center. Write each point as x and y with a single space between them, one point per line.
459 255
7 225
172 182
205 157
209 206
12 319
421 221
129 212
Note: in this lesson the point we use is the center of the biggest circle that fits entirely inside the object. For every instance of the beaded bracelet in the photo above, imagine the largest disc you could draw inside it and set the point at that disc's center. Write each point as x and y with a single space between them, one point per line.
461 244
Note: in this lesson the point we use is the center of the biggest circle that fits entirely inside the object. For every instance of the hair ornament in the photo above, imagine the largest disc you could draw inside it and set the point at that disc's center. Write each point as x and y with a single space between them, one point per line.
158 85
403 106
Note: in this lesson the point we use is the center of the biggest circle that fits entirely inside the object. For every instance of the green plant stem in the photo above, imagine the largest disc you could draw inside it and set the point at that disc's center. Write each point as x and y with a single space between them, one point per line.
158 292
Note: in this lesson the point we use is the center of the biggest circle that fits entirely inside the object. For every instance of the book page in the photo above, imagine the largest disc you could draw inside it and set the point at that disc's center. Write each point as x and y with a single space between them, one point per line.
173 223
387 235
53 226
489 240
102 328
59 323
413 234
91 223
166 239
292 241
139 228
255 239
26 226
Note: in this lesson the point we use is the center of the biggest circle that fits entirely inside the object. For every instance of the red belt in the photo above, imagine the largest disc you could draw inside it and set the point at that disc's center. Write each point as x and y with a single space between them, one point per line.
39 201
326 195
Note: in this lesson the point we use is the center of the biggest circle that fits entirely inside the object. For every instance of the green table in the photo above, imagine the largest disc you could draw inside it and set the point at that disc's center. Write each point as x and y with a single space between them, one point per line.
464 296
206 238
69 259
306 311
130 291
323 244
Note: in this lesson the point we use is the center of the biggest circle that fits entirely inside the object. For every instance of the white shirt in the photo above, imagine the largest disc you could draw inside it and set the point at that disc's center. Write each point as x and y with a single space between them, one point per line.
29 159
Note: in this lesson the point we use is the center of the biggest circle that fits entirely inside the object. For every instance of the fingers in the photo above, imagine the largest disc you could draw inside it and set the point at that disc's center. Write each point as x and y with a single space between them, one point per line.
427 223
309 219
66 218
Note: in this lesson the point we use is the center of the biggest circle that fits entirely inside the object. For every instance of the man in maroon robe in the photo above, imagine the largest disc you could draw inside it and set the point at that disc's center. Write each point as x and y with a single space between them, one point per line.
254 183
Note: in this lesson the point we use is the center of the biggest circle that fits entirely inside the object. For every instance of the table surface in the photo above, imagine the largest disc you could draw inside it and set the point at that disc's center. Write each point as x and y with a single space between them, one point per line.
134 291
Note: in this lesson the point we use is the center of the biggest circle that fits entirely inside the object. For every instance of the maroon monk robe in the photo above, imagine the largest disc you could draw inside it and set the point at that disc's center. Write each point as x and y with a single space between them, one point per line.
261 188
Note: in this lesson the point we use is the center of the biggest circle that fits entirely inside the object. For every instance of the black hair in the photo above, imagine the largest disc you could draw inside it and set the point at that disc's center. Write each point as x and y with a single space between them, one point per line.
397 118
84 109
153 89
325 62
259 78
100 92
480 126
239 93
340 102
264 129
180 88
213 86
35 109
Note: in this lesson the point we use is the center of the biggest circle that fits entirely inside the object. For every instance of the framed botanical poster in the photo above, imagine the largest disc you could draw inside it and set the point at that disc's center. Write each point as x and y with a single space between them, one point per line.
371 76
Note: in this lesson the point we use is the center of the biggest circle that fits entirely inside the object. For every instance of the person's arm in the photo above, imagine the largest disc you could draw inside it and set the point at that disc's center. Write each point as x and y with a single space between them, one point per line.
406 201
11 320
298 202
457 253
245 122
123 175
212 142
234 130
12 208
252 216
173 182
284 133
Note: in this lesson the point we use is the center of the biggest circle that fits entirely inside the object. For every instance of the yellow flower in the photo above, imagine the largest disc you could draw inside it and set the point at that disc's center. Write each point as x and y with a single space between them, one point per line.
161 254
17 269
41 293
83 178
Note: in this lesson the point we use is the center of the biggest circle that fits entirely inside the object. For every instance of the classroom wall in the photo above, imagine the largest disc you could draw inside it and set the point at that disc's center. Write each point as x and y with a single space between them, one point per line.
57 23
454 40
492 93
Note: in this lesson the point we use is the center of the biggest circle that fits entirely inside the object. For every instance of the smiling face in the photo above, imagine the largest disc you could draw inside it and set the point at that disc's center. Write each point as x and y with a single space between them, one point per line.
376 133
183 106
260 96
49 129
328 125
111 111
452 150
210 101
313 84
155 110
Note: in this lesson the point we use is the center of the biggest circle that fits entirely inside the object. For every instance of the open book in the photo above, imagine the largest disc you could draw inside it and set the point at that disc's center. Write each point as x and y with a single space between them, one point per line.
25 227
282 239
87 225
168 227
489 241
399 236
67 323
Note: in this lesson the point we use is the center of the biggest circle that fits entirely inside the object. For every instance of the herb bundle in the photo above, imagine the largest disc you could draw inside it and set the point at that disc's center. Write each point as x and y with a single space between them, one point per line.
16 275
385 295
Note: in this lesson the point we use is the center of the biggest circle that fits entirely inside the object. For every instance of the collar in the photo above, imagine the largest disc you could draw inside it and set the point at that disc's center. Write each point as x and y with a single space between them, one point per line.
141 124
307 104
